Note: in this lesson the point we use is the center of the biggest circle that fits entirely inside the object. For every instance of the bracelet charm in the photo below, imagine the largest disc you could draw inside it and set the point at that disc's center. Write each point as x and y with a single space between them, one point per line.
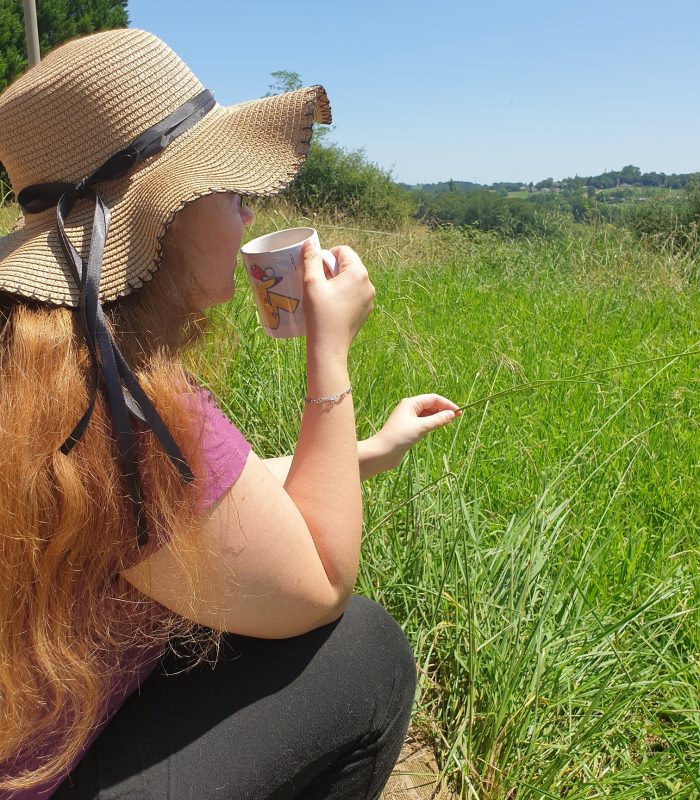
332 398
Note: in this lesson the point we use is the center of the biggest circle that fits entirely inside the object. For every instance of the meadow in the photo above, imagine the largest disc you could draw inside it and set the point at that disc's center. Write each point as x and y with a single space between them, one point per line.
542 553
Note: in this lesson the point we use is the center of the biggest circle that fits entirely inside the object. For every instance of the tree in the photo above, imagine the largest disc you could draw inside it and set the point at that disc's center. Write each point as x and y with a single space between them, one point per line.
13 58
630 174
284 81
345 183
58 21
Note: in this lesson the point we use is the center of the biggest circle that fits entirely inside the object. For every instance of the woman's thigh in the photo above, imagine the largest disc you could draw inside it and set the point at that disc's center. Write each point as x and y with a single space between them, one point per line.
318 715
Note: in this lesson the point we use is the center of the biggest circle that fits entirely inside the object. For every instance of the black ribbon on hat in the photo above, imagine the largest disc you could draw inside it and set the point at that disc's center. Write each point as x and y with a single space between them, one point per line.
125 397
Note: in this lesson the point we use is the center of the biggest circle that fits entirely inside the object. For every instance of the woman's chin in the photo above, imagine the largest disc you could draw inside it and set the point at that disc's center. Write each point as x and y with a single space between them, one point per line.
216 298
225 294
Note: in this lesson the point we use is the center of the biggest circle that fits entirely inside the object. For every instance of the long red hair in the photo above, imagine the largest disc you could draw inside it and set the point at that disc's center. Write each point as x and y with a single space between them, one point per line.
66 525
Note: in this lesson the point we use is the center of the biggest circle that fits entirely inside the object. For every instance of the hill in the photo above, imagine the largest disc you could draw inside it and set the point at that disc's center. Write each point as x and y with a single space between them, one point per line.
627 176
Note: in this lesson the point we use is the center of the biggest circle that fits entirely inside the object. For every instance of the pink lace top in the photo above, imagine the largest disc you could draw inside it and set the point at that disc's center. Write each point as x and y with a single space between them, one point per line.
225 453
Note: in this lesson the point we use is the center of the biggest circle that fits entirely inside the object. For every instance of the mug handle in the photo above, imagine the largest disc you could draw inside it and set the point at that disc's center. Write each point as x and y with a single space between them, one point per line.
330 261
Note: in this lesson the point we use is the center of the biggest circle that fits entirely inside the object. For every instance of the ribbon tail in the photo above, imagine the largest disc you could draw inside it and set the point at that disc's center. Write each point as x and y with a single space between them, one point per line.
77 432
125 397
64 206
146 412
99 331
126 438
131 404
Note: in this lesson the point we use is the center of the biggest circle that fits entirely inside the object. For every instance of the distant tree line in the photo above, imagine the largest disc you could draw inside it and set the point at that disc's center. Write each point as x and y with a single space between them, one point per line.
627 176
674 224
673 219
653 205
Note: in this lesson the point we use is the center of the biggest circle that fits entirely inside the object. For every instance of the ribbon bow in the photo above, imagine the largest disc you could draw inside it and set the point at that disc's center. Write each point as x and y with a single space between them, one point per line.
125 397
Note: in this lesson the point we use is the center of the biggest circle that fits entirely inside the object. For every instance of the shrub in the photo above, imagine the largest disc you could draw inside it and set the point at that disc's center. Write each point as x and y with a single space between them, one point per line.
488 212
674 223
344 183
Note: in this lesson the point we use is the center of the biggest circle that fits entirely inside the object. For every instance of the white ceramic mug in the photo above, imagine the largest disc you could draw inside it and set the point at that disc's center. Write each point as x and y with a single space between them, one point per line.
274 266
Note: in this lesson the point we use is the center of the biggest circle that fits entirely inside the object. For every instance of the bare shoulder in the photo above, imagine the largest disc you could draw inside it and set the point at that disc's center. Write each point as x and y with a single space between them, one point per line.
258 572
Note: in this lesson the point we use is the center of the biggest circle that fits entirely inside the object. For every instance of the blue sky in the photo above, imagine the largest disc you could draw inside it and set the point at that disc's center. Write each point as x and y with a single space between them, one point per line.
487 91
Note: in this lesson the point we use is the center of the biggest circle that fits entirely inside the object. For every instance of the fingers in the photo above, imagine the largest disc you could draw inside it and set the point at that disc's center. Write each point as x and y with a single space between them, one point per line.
438 420
335 308
314 268
425 405
433 410
427 412
313 263
347 258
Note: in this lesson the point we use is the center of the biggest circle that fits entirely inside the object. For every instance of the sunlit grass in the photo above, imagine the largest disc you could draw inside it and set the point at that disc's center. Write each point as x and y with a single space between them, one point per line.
8 217
542 552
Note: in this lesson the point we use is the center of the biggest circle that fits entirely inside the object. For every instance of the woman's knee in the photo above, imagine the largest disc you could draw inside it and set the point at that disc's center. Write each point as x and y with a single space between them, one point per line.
375 688
383 643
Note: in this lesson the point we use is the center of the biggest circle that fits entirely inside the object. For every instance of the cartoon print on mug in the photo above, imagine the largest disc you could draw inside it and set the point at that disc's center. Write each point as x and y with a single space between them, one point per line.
271 302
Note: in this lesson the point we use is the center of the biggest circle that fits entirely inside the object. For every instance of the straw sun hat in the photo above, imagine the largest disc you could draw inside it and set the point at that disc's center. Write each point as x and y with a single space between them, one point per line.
104 141
89 99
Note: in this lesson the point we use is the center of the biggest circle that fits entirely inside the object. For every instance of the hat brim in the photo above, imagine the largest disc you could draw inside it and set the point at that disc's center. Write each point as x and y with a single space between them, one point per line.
254 148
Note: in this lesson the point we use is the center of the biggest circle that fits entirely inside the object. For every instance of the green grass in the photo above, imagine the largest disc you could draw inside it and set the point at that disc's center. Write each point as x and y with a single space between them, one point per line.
8 217
541 553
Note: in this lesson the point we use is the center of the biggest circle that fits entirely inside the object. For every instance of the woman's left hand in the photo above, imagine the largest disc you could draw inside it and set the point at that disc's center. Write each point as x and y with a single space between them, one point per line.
411 420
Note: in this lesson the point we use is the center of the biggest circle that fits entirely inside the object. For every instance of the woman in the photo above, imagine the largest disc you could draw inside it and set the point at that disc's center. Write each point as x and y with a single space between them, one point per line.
177 613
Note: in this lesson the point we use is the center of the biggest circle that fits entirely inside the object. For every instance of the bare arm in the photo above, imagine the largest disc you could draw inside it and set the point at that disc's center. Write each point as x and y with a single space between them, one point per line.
324 477
411 420
366 460
278 559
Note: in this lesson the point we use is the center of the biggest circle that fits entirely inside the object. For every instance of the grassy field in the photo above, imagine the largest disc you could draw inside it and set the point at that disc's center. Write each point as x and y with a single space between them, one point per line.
542 552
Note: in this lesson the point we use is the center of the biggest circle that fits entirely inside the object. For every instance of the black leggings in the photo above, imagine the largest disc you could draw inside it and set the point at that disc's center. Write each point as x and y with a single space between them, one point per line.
322 715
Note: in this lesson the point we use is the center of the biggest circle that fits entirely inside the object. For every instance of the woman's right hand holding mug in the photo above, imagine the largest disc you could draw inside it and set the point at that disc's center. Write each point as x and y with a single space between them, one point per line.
335 308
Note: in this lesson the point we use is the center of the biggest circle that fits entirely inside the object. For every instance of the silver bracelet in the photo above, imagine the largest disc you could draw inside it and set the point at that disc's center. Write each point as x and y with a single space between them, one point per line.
332 398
